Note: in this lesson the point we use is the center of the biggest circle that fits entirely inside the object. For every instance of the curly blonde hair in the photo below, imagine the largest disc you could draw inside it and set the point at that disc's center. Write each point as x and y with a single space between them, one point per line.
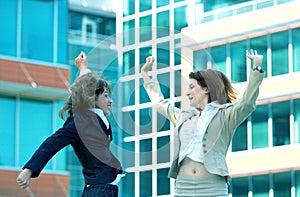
84 93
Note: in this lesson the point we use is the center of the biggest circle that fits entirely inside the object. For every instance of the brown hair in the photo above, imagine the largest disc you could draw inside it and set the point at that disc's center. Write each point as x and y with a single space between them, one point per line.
84 93
218 85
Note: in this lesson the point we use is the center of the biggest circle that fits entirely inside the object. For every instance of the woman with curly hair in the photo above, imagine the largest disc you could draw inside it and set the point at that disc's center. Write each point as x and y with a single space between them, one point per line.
88 131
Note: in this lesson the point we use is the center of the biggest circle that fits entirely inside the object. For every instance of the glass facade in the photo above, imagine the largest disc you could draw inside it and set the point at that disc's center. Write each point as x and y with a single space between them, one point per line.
270 125
32 43
147 28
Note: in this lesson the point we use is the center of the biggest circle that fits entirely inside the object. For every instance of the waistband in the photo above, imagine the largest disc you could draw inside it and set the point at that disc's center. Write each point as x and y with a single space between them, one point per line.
102 185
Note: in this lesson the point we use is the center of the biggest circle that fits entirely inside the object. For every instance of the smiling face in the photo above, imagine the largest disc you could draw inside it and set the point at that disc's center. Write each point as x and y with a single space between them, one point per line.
104 102
197 95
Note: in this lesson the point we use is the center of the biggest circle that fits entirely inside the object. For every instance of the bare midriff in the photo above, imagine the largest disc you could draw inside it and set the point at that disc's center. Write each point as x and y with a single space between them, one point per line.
191 168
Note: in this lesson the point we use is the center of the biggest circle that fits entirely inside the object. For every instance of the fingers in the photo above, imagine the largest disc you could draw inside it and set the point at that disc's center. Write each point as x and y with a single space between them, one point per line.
81 60
23 183
150 59
251 52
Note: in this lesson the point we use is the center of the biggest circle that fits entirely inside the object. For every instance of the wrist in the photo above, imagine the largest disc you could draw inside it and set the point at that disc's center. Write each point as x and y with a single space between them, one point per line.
258 68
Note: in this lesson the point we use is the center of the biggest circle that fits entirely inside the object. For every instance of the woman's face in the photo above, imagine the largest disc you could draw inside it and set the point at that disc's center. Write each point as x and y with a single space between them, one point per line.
104 102
197 95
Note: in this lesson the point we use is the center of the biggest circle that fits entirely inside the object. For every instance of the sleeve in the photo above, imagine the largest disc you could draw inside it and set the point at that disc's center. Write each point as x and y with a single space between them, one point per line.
61 138
247 104
162 105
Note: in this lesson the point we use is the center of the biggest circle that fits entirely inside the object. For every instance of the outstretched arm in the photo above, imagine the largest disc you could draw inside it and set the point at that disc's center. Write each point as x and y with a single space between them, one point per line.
81 63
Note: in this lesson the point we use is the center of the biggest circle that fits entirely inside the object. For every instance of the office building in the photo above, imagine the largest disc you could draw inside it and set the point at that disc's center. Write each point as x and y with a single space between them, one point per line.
187 35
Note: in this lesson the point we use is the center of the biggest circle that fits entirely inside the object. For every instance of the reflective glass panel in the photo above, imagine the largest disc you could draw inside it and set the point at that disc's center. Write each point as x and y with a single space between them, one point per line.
238 61
163 24
281 123
163 182
146 152
279 46
260 126
282 184
296 49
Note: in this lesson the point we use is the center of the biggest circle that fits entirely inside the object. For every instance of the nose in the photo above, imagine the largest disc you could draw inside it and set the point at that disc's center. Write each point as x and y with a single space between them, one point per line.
188 92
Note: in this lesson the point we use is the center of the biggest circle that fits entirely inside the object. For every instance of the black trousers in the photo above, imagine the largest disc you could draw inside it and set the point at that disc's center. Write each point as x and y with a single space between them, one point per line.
100 190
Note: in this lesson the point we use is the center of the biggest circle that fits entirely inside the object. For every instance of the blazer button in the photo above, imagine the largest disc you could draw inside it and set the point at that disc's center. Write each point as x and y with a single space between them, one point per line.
204 145
205 151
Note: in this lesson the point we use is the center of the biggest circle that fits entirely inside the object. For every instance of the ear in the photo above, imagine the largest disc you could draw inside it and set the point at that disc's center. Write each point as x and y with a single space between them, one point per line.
205 90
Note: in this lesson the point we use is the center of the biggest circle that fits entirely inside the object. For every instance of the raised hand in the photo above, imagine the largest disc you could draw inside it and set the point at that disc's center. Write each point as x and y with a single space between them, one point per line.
254 57
81 61
147 67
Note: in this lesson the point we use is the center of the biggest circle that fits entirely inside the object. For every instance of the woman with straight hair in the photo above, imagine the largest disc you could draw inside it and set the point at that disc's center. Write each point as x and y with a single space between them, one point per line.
204 132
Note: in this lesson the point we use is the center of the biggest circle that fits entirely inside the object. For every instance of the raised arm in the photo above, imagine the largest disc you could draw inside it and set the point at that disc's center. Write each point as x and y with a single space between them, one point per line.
81 63
247 104
152 87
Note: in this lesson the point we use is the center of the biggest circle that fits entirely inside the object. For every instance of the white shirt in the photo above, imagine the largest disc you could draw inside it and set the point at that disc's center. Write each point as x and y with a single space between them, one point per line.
100 113
192 148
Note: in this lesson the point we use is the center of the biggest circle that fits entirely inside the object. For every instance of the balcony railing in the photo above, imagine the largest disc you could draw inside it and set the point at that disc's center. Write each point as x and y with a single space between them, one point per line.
91 39
238 9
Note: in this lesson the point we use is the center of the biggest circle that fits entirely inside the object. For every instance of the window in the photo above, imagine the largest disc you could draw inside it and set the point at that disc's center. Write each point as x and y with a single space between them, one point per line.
128 155
32 132
128 33
282 184
281 125
180 20
297 119
146 183
163 24
296 49
200 60
163 149
128 62
128 182
260 185
128 128
218 55
162 3
239 141
146 152
8 131
239 187
260 127
163 182
35 44
145 28
8 38
279 46
164 81
163 55
129 93
297 183
145 121
145 5
260 44
238 61
128 7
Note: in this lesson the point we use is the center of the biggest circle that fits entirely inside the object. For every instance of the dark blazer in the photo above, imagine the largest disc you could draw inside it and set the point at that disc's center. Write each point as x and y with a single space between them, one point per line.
90 139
